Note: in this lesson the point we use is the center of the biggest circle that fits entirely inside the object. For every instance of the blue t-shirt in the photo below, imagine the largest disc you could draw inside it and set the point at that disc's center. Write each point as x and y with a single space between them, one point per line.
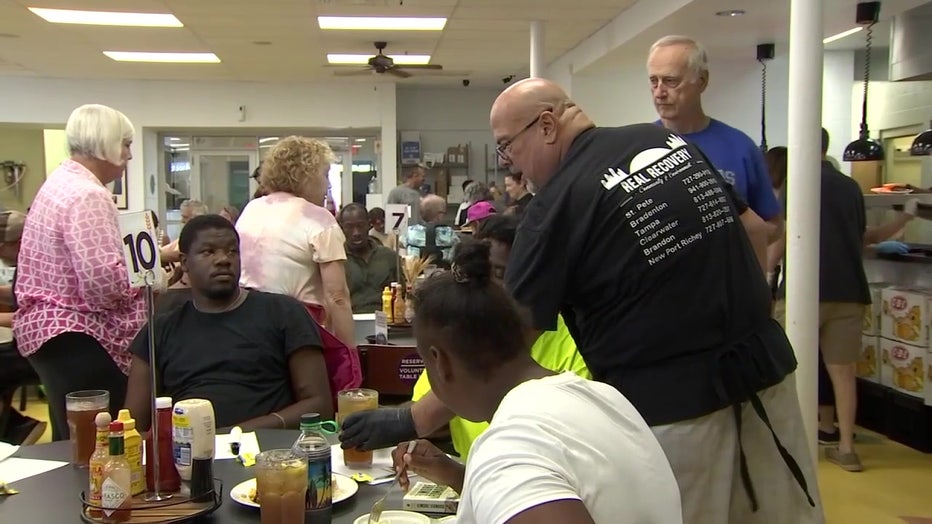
740 163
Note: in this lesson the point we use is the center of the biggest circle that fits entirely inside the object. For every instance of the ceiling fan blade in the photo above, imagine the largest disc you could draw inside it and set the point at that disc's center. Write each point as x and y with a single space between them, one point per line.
423 66
352 72
398 72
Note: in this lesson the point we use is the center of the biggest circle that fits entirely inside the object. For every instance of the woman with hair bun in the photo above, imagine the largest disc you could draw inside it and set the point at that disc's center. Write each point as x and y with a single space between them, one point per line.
559 448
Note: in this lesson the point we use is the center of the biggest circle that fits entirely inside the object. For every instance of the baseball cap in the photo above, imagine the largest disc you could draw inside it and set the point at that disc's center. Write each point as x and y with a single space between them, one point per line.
11 226
479 211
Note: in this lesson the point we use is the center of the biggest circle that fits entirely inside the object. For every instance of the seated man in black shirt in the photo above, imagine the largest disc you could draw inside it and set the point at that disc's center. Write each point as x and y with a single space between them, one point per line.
256 356
637 239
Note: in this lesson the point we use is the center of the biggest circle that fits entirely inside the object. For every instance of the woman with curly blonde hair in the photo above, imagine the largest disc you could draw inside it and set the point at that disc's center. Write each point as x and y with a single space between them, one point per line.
292 245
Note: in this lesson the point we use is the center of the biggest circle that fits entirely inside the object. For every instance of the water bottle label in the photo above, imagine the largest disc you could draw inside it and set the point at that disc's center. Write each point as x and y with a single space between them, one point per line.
319 484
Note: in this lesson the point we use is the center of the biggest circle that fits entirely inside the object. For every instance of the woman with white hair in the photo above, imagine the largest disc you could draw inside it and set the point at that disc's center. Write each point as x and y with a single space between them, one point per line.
77 313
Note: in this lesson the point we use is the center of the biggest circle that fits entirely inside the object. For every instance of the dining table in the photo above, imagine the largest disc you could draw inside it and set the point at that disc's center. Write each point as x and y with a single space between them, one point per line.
53 497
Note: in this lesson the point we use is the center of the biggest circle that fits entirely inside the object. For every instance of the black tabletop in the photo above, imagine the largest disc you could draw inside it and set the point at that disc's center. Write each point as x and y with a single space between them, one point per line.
53 497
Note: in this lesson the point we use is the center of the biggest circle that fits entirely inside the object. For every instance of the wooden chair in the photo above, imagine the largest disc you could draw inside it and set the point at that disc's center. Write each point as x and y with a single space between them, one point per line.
389 369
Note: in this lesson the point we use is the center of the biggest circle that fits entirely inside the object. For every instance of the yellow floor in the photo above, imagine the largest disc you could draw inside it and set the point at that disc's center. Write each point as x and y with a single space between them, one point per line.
895 488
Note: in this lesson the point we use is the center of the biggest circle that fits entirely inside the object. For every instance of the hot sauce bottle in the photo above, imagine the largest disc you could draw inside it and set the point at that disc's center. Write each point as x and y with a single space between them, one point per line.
116 488
98 459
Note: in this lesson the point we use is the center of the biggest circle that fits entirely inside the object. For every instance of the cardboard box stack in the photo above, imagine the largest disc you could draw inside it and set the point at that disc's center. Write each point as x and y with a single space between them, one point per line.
904 339
869 364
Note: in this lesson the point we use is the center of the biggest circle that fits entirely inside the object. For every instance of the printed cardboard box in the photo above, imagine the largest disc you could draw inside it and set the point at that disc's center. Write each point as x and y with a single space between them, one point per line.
869 363
872 311
905 315
929 378
903 367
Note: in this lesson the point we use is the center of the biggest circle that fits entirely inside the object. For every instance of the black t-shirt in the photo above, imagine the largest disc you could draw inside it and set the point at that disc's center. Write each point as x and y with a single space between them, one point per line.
841 242
238 360
638 240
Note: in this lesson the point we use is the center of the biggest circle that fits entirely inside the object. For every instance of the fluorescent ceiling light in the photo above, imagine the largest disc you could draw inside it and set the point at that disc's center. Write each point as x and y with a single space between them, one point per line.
360 139
384 23
364 59
70 16
180 58
268 139
180 145
842 34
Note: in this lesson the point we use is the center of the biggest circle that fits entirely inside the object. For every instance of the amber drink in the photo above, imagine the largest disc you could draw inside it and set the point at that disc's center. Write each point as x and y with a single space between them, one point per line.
81 408
281 486
348 402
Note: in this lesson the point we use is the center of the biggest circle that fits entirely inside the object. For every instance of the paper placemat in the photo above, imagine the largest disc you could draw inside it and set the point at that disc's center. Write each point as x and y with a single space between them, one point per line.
15 468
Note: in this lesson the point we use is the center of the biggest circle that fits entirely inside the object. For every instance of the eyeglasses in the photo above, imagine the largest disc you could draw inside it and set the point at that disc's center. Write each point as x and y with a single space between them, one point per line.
502 149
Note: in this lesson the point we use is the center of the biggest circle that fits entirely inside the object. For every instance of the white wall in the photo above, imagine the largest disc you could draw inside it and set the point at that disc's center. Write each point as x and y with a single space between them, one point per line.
151 104
893 106
448 117
837 71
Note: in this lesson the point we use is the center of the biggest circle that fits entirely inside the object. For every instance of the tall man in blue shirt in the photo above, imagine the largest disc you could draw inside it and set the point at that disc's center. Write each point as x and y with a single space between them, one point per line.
678 70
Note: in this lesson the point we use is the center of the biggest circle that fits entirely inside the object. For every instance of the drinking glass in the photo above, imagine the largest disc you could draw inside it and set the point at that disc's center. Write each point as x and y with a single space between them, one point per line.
281 486
350 401
82 408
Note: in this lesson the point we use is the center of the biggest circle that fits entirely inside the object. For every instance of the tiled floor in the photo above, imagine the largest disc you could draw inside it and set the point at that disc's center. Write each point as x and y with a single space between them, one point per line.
895 488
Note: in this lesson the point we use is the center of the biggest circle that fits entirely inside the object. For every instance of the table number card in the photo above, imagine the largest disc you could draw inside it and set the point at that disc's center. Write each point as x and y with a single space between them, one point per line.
381 328
396 218
140 249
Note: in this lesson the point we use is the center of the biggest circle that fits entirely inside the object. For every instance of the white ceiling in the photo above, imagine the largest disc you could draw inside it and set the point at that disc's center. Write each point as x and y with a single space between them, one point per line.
731 38
278 40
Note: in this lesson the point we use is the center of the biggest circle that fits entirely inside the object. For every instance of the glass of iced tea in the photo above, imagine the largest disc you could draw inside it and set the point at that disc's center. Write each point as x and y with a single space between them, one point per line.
281 486
81 408
350 401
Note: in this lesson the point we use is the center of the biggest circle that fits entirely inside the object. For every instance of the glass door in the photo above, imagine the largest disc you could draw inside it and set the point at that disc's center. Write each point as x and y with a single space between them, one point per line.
221 178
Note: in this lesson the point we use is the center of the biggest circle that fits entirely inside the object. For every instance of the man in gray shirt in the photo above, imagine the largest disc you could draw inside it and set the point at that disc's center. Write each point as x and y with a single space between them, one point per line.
408 192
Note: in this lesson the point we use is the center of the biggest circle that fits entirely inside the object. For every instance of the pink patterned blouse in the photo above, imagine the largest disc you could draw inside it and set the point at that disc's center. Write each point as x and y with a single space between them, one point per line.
71 275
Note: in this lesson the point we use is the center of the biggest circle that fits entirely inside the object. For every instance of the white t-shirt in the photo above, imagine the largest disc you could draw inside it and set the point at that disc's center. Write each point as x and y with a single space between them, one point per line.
283 239
564 437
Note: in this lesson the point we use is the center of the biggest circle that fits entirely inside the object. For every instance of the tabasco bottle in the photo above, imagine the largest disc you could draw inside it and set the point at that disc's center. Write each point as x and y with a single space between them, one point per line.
98 459
116 488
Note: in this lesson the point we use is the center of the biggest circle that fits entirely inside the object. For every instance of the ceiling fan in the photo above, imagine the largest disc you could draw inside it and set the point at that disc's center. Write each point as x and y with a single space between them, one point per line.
382 63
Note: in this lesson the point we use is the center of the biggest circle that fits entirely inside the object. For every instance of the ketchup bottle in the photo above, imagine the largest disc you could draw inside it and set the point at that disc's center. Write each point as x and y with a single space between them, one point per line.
169 481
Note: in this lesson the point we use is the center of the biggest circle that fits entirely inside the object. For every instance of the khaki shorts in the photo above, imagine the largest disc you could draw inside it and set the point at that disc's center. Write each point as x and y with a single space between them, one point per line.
840 326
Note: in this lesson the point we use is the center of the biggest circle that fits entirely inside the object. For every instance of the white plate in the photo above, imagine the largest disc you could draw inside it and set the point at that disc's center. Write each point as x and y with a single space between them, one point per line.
344 488
448 520
396 517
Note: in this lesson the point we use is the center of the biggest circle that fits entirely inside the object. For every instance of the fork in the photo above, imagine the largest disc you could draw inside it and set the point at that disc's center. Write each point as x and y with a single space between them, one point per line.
376 512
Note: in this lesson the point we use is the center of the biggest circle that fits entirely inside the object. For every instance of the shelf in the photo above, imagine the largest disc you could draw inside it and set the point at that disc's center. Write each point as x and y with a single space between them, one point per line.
875 200
448 166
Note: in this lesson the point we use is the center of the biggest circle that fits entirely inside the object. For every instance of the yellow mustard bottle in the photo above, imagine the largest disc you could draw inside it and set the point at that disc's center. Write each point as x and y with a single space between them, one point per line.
133 446
387 304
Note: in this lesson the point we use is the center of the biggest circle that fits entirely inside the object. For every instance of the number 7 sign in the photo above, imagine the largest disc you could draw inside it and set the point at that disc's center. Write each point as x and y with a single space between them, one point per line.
396 217
140 249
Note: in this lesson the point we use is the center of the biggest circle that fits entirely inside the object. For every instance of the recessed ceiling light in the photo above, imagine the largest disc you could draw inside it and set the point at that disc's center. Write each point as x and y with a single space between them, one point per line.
381 23
336 58
70 16
730 12
841 35
180 58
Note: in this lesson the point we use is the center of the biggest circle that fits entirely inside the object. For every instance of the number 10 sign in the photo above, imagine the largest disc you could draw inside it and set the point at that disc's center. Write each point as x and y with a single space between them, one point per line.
141 251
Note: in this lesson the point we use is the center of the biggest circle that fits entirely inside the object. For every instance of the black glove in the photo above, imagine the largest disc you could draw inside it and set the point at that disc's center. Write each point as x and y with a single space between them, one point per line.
378 428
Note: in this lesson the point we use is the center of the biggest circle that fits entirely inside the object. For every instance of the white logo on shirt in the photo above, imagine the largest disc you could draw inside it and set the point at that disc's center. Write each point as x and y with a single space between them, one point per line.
655 163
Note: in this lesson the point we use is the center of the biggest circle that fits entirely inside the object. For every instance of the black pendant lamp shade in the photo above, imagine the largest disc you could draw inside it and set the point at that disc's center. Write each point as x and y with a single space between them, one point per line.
922 145
865 148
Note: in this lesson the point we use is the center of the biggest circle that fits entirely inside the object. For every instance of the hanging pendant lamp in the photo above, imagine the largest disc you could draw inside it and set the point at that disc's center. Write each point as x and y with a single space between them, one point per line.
865 148
764 52
922 145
